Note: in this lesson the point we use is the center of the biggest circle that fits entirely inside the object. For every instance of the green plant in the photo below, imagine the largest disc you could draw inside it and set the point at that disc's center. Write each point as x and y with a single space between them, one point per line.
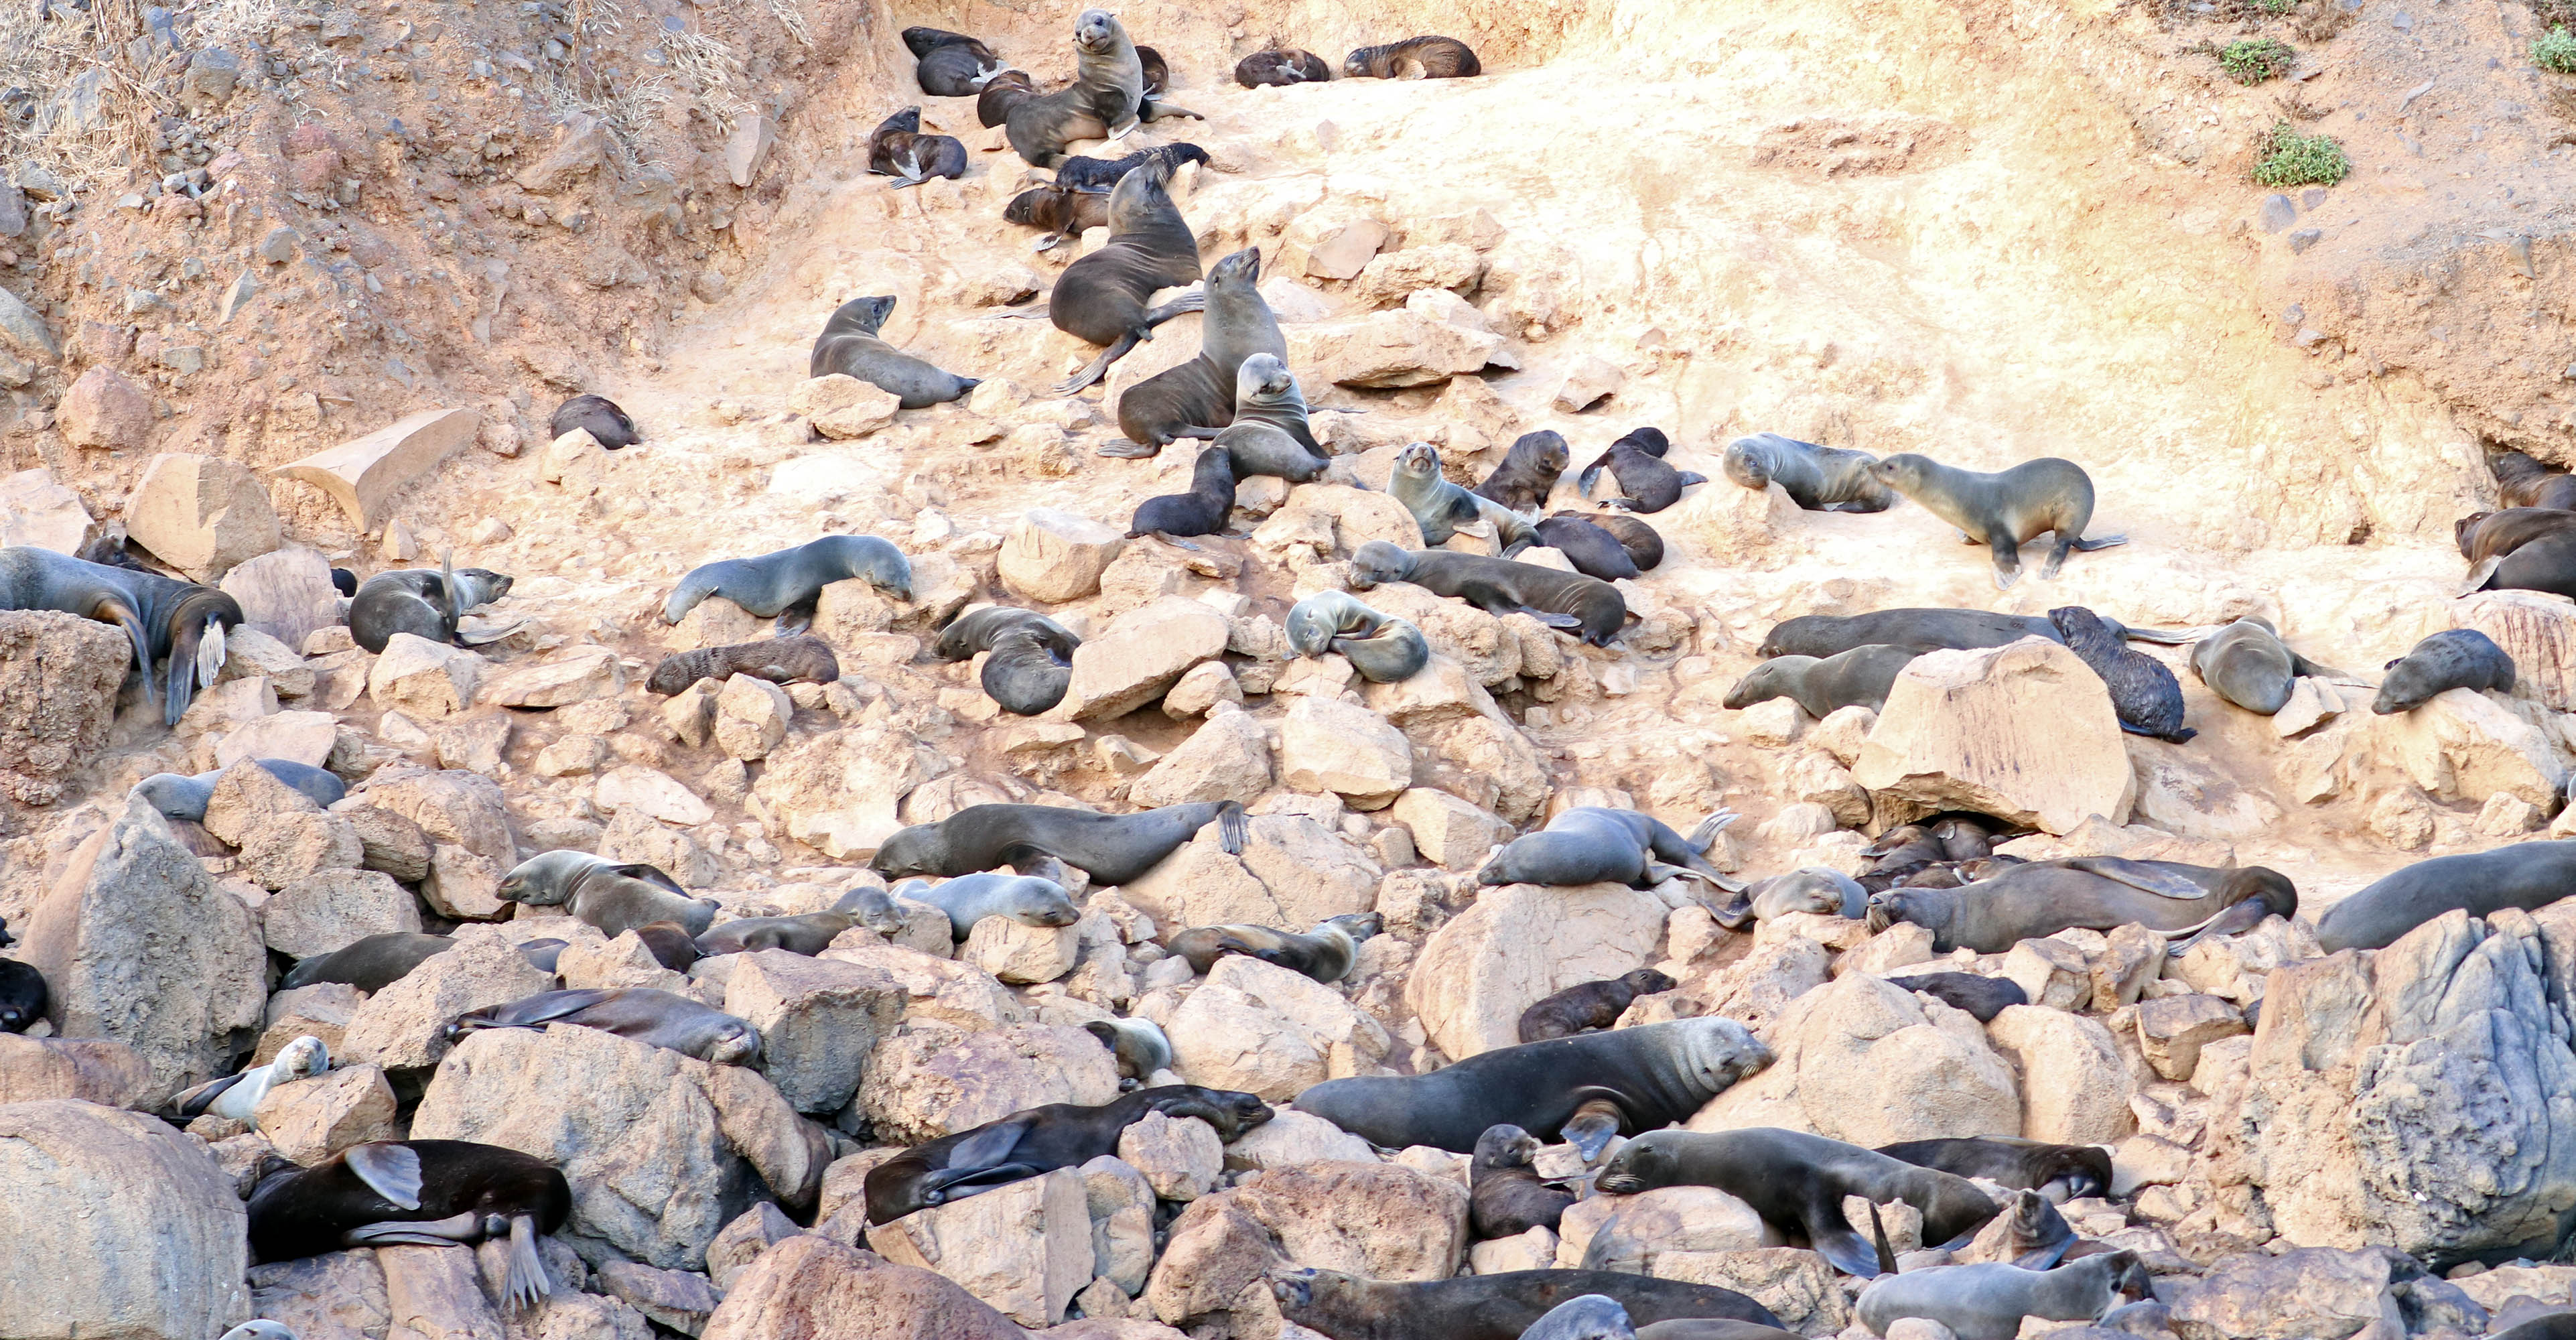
2555 52
2284 157
2254 59
2275 6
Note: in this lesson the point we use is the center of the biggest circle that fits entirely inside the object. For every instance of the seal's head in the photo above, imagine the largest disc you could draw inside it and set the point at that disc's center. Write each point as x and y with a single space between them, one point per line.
911 851
1642 1164
2460 529
1264 379
1418 460
546 879
1647 981
1043 902
1764 683
1240 271
1379 561
734 1043
174 795
1316 619
1547 449
303 1058
1503 1146
1096 31
867 316
1357 926
1904 472
1721 1051
1748 462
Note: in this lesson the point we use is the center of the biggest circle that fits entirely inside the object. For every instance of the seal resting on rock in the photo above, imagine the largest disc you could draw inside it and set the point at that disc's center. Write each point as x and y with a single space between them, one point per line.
1324 953
1860 677
2103 893
950 65
1797 1183
975 630
671 1022
237 1096
1111 848
1647 482
1819 479
1589 1005
1506 1196
23 995
1982 997
2528 875
1031 665
780 660
1101 297
967 899
1139 1045
1593 550
1988 1301
435 1193
850 346
809 934
1443 509
1566 601
1102 175
1059 210
1594 845
1197 398
2146 696
2457 658
1270 435
2249 665
1039 1140
425 604
616 897
2061 1172
1281 67
1383 648
1486 1307
2005 510
178 625
2522 481
1414 58
1106 101
791 579
1916 630
1005 90
1201 511
1529 471
602 418
898 149
178 797
1814 889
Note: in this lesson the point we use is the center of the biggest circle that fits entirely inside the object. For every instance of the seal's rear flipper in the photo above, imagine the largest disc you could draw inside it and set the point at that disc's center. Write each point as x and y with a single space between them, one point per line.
1127 449
2167 637
2236 920
650 874
193 1103
2097 542
958 1184
526 1284
1232 828
1590 1129
1193 301
1847 1251
1705 836
1591 475
1553 619
2480 575
1098 367
123 615
483 634
390 1170
1039 312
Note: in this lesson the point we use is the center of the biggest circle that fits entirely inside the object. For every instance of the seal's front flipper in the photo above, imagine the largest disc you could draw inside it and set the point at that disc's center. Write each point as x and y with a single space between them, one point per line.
390 1170
958 1184
2139 875
2097 542
1126 449
2236 920
526 1284
1590 1129
193 1103
1193 301
988 1147
1232 828
798 617
2480 575
1846 1250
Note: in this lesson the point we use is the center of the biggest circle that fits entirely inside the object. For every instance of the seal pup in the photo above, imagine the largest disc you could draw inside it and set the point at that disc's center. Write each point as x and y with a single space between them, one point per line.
2004 510
670 943
179 625
1529 471
1281 67
1589 1005
1414 58
809 934
1201 511
1987 1301
967 899
1106 101
1138 1044
1645 548
803 659
2528 875
2493 535
1383 648
1594 551
2040 898
602 418
613 896
1270 434
1647 482
2060 1172
2457 658
1816 889
1038 1140
2146 695
1197 398
237 1096
671 1022
1648 1076
1982 997
1324 953
950 65
2030 1233
426 604
1819 479
1860 677
23 995
2522 481
1111 848
1157 71
1060 211
1443 508
1026 674
2248 664
976 629
370 963
181 797
850 345
1916 630
898 149
1005 90
435 1193
1797 1183
1567 601
791 579
1505 1195
1101 297
1486 1307
1590 844
1101 175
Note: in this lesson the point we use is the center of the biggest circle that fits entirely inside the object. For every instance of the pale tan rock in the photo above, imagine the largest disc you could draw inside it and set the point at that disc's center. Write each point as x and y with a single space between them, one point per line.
312 1119
36 511
1293 872
751 717
2132 957
1020 955
103 409
651 793
1773 722
1370 1219
1179 1157
1841 734
1228 758
1343 250
365 474
1863 1061
1534 1250
1292 1138
841 792
812 1286
1448 831
297 737
1144 652
404 1026
462 883
2052 974
249 651
563 679
2173 1029
2025 732
1204 686
1588 382
1263 1029
2074 1086
1336 519
1053 556
2538 630
201 514
1627 1233
1392 276
159 1236
1349 750
331 909
91 1070
1412 345
2464 745
248 797
1475 975
59 674
423 679
926 1082
1024 1248
842 407
818 1021
740 1244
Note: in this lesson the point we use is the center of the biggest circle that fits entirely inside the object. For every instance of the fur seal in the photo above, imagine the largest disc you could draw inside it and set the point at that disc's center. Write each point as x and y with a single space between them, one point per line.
2249 665
967 899
1589 1005
1487 1307
1649 484
1916 630
1592 1316
1106 100
425 604
1443 509
1505 1197
1005 90
849 345
180 797
1414 58
1816 889
976 629
803 659
237 1096
671 1022
1270 435
1197 398
2528 875
2102 893
1324 953
1101 297
1039 1140
1987 1301
1819 479
1060 211
2060 1172
1102 175
607 423
2030 1233
810 934
1982 997
370 963
1590 844
1201 511
1157 71
612 896
1529 471
2457 658
1026 674
1797 1182
1383 648
670 944
2145 694
2004 510
1566 601
1593 550
950 65
1860 677
2494 535
2544 563
1648 1076
1138 1044
1645 547
898 149
1111 848
344 581
1281 67
2522 481
793 578
23 995
178 624
437 1193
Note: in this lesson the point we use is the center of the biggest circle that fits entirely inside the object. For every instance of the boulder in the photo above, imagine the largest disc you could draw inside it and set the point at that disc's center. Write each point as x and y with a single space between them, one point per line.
330 909
365 474
751 717
1864 1061
926 1082
2538 630
298 737
1021 955
1024 1248
1122 1224
1336 519
1448 831
1374 1220
2465 745
839 792
92 1070
423 679
103 409
37 512
651 793
2024 732
1796 1284
842 407
679 1299
752 1232
453 807
59 673
1228 758
201 514
1293 872
1291 1138
1179 1157
1053 557
1628 1233
2075 1087
812 1286
1144 652
248 797
312 1119
1327 745
285 593
1589 380
1260 1028
1395 275
2052 974
2173 1029
334 1296
404 1026
125 1228
2317 1292
818 1020
1342 250
1477 973
1418 344
565 678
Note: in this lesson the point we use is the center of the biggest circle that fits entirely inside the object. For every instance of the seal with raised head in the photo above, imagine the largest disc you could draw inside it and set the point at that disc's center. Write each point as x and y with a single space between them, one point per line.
2248 664
1058 210
1270 435
1106 100
1815 889
1101 298
425 604
1982 997
1988 1301
1819 479
2038 899
950 65
1324 953
1797 1182
1647 482
1005 90
177 625
1201 511
1383 648
897 148
2004 510
237 1096
1592 549
1860 677
803 659
1487 1307
2522 481
976 629
1442 508
1589 1005
1111 848
850 345
597 415
435 1193
2030 1233
616 897
1281 67
1567 601
2527 875
2060 1172
1505 1195
1529 471
1101 175
1414 58
1039 1140
1644 1077
1916 630
2146 696
1197 398
661 1018
791 579
1139 1045
182 797
1591 844
370 963
809 934
2457 658
967 899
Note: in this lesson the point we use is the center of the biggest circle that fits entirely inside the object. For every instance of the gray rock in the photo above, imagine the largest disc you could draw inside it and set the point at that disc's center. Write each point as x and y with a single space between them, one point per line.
2278 213
679 1299
2304 238
122 1228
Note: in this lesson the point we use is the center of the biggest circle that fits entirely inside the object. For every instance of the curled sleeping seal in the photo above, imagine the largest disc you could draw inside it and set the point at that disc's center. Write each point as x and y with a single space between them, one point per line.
1591 1316
598 416
793 578
2004 510
967 899
425 604
1567 601
178 797
1324 953
1988 1301
1158 72
850 346
1201 511
1860 677
237 1096
1197 398
1819 479
1589 1005
1111 848
2145 694
671 1022
1106 100
612 896
2030 1233
2249 665
1916 630
810 934
1270 435
1099 176
1281 67
1505 1196
1414 58
176 624
1594 845
2059 1172
2528 875
1138 1044
802 659
1026 674
370 963
1797 1182
1982 997
976 629
1059 211
2040 898
1005 90
1101 298
2458 658
950 65
898 149
1039 1140
1816 889
1645 548
1528 473
1593 550
1640 1078
2522 481
1486 1307
1647 483
1383 648
1443 509
436 1193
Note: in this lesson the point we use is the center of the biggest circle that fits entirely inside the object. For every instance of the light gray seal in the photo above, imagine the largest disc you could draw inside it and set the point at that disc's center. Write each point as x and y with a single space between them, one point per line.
1270 435
1988 1301
180 797
850 346
1816 889
1860 677
1101 298
661 1018
1797 1182
2458 658
1567 601
809 934
1197 398
968 899
1106 100
1111 848
1324 953
2038 899
1139 1045
176 624
615 897
1383 648
2249 665
793 578
1443 508
1819 479
237 1096
1594 845
2004 510
2528 875
425 604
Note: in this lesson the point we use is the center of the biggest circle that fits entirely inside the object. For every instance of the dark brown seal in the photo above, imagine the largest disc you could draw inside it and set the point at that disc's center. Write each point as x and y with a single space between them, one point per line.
1196 399
2522 481
1414 58
2485 535
2038 899
1324 953
1645 547
1004 91
1487 1307
1528 472
1101 297
1647 482
1505 1197
2145 694
598 416
1860 677
850 346
179 625
1111 848
1589 1005
1059 210
1039 1140
1982 997
1106 100
1281 67
950 65
803 659
897 148
424 604
1201 511
2062 1172
1797 1183
1566 601
439 1193
1102 175
1593 551
2004 510
1026 673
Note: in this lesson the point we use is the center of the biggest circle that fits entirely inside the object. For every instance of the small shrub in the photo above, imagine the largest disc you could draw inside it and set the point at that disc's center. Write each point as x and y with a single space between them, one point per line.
2255 59
2284 157
2555 52
2276 6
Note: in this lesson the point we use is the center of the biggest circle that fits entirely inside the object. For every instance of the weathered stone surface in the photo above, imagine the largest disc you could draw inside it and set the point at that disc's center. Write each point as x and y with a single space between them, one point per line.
1291 1138
1628 1233
1331 519
1024 1248
331 908
1228 758
312 1119
2075 1087
450 806
92 1070
2052 974
125 1229
2538 630
1054 556
653 794
1293 872
565 678
1021 955
103 409
201 514
334 1296
1375 1220
1589 381
59 674
1795 1283
2464 745
842 407
1261 1028
818 1020
679 1299
1477 973
422 679
364 475
36 511
2173 1029
2024 732
840 792
1418 344
814 1287
751 717
1326 745
1179 1157
297 737
1863 1061
1142 653
404 1026
1448 831
2316 1291
924 1083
